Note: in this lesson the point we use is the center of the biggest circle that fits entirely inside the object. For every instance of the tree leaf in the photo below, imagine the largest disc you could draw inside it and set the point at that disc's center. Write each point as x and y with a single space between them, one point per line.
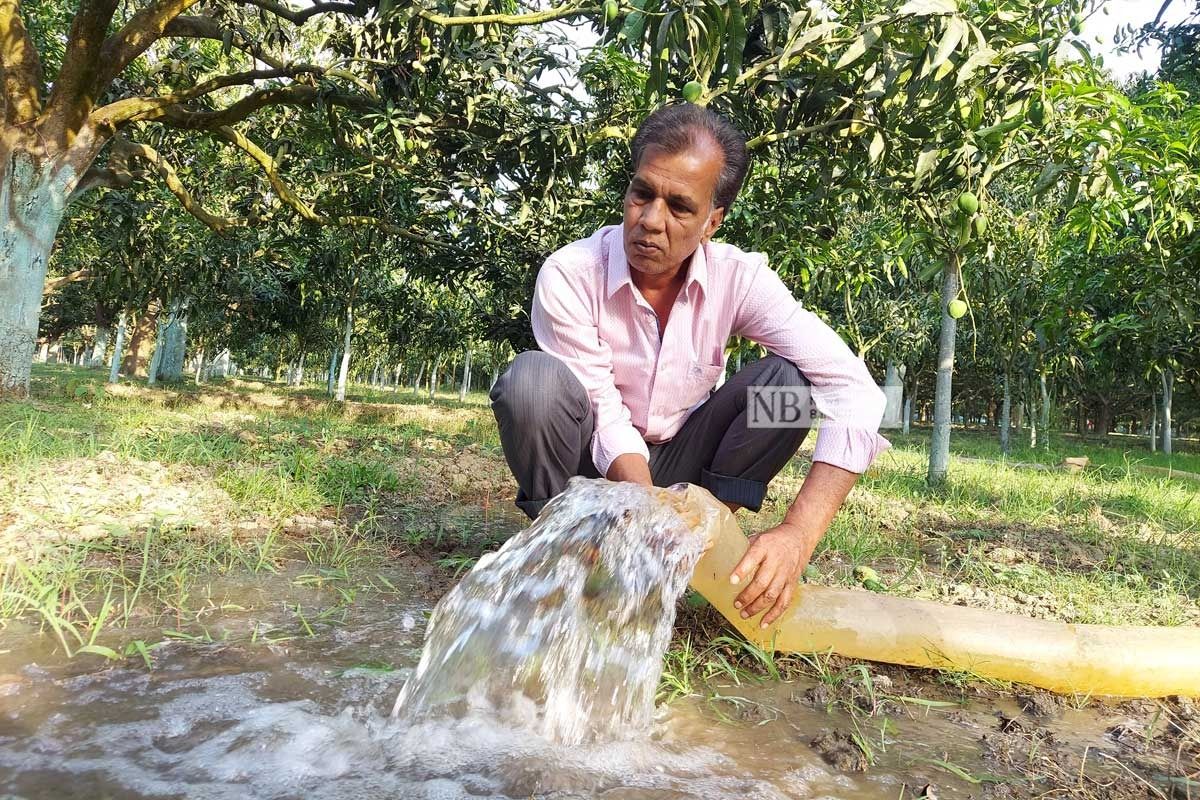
876 148
1047 178
736 34
955 29
859 46
925 163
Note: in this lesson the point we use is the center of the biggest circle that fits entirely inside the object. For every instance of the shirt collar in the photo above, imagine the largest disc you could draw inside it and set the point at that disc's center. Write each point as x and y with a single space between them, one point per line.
618 267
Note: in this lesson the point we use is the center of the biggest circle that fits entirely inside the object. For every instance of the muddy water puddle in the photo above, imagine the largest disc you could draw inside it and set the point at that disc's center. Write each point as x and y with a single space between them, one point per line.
253 706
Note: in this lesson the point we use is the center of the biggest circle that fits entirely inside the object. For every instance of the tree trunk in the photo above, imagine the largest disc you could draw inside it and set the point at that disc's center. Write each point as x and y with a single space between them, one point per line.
1006 417
344 372
298 374
893 388
495 377
939 445
174 342
114 370
1153 422
417 380
433 377
1045 417
137 351
156 359
99 348
331 374
1168 385
466 381
1030 410
1104 419
32 203
908 414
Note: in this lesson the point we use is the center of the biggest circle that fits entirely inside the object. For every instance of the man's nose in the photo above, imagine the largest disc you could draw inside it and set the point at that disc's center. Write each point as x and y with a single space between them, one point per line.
654 215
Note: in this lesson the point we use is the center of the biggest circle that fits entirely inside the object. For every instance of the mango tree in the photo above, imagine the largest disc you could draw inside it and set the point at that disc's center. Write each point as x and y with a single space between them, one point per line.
85 91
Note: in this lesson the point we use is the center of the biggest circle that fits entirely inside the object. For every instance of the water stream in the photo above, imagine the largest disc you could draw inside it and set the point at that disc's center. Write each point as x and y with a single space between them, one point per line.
537 681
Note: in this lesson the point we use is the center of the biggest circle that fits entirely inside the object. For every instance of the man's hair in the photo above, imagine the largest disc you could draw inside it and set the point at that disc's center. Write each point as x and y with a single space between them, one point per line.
679 127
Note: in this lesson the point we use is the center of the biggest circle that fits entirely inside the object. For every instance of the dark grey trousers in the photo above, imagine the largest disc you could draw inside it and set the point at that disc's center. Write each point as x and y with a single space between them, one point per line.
546 426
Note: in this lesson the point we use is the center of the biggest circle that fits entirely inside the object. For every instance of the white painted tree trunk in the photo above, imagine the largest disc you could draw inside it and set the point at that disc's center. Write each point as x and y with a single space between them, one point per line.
32 203
908 414
417 380
156 359
495 377
1045 415
433 377
939 445
221 366
199 367
466 381
344 371
1006 417
114 370
1033 421
43 354
298 376
894 389
1168 385
99 348
331 373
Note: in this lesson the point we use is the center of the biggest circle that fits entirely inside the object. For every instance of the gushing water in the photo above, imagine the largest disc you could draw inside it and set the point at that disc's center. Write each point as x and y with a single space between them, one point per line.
563 630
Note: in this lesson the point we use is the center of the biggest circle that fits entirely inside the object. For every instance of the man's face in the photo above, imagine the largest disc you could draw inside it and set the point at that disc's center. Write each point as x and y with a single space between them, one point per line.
669 206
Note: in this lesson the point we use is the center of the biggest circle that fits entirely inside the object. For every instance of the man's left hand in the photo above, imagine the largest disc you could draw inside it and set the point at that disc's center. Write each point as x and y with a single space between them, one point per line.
772 566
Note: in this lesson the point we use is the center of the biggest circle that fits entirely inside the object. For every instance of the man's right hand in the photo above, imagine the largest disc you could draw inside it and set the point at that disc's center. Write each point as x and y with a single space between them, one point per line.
630 467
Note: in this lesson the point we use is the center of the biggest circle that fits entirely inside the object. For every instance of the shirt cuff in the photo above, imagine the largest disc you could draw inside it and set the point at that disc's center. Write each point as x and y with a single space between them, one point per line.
852 449
616 440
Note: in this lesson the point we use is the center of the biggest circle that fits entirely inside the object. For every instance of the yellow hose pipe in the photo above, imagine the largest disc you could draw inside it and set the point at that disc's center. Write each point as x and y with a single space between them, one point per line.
1134 661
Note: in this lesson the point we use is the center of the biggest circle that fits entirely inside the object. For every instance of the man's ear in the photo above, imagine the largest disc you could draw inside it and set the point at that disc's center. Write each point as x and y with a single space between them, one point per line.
714 221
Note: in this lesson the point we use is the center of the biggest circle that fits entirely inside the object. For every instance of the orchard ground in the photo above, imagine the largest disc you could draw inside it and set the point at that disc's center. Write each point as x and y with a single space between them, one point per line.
120 509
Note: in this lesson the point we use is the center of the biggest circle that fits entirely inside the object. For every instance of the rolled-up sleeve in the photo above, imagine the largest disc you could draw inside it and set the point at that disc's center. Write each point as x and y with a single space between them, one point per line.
564 327
850 403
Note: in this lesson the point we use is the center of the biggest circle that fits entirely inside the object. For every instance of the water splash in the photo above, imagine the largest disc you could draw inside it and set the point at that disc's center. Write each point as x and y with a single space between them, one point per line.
562 631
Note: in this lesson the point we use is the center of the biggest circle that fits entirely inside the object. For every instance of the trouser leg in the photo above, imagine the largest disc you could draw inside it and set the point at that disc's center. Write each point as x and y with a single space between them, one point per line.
717 449
546 423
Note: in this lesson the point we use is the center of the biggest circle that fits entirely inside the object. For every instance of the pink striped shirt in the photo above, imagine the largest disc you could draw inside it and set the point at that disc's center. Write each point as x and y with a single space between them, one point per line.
588 313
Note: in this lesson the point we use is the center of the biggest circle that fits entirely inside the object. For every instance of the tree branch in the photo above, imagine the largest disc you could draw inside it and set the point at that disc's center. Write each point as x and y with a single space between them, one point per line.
296 95
771 138
54 284
302 16
208 28
75 88
288 196
130 150
532 18
20 67
131 108
1161 13
142 30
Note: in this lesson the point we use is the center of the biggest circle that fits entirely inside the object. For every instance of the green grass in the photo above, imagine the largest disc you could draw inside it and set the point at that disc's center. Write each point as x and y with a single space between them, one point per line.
1109 545
240 461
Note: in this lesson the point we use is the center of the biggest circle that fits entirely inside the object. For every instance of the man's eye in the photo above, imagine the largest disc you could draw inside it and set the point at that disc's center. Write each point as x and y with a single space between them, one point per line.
680 210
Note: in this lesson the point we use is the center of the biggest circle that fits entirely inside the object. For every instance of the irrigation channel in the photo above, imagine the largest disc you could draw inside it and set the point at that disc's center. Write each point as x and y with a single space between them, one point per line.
537 678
